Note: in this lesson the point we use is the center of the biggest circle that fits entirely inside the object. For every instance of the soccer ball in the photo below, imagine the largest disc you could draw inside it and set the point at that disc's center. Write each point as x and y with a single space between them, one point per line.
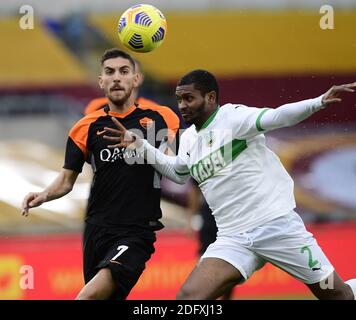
142 28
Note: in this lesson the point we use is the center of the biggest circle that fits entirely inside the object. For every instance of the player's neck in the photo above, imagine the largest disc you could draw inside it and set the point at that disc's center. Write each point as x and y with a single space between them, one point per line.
204 118
121 108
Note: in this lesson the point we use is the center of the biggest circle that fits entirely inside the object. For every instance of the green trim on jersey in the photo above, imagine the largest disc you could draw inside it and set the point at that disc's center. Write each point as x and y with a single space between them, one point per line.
210 119
217 160
258 120
181 173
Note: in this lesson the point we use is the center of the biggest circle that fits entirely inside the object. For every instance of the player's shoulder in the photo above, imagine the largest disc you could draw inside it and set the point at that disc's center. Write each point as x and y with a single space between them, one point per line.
233 107
156 107
95 104
88 119
146 102
240 109
188 133
169 116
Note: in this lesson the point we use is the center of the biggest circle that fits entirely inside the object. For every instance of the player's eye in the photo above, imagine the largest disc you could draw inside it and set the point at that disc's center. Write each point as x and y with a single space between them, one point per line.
109 71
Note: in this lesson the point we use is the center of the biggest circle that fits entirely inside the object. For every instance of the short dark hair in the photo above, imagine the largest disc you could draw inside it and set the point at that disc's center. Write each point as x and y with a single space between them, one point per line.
116 53
203 81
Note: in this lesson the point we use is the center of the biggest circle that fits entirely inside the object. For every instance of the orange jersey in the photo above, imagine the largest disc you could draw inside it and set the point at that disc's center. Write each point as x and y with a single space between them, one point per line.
98 103
125 188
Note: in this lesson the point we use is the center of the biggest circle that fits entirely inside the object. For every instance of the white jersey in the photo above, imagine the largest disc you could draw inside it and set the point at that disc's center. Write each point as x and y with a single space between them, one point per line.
242 180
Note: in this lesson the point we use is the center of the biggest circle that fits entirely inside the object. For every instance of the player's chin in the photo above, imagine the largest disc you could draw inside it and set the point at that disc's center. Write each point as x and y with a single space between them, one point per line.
118 99
187 119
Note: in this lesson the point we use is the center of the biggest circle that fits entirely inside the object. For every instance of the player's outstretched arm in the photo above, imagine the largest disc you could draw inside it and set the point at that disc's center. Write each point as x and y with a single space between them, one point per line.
169 166
293 113
62 185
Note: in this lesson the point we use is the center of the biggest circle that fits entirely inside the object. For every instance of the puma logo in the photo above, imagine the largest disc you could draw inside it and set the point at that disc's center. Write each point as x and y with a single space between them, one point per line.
315 269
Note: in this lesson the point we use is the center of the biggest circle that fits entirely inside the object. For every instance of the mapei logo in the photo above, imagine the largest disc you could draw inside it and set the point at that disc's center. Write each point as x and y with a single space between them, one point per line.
10 277
146 123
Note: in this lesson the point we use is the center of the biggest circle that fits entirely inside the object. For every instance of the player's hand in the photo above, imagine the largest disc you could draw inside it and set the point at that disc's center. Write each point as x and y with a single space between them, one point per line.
122 136
333 95
33 199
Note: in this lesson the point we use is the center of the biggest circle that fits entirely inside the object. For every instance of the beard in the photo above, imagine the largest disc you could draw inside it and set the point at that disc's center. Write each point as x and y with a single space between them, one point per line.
195 115
118 100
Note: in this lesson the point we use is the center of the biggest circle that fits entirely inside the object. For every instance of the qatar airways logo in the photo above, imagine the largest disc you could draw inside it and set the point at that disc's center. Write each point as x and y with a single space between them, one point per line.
112 155
131 156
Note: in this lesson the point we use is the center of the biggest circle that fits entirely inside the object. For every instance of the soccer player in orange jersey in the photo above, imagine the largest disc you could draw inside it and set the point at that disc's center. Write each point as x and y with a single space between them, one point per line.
123 212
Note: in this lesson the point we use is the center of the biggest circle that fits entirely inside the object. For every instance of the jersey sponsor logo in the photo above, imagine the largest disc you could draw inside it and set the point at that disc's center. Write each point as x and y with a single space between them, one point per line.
146 122
208 166
217 160
112 155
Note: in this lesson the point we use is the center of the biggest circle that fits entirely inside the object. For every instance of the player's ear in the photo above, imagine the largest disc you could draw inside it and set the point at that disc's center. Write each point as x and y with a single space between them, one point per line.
211 96
137 80
100 81
140 78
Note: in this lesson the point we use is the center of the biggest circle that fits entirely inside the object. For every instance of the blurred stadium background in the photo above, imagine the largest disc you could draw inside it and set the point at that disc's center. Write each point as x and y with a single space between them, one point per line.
264 53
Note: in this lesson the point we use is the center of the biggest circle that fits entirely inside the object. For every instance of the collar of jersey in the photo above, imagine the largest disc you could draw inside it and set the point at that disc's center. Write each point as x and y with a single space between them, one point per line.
124 114
210 119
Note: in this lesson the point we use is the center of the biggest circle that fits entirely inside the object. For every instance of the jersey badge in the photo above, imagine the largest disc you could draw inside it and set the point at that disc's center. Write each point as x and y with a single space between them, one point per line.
209 139
146 123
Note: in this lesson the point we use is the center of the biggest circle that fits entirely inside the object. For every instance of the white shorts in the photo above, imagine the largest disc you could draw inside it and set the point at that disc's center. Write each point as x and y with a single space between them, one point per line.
284 242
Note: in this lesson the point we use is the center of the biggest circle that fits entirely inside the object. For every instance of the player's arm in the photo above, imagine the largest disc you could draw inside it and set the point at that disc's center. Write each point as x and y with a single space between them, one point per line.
293 113
62 185
194 197
173 123
172 167
75 156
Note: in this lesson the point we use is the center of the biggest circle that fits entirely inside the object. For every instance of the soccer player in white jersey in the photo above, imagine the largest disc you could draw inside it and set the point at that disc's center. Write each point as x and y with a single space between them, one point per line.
247 188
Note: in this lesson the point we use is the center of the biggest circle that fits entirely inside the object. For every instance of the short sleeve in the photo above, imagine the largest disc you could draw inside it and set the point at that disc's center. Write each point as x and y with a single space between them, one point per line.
172 122
74 157
76 148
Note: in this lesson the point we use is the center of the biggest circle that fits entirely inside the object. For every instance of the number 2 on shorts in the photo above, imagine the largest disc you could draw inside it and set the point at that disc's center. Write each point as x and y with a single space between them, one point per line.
311 262
121 249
